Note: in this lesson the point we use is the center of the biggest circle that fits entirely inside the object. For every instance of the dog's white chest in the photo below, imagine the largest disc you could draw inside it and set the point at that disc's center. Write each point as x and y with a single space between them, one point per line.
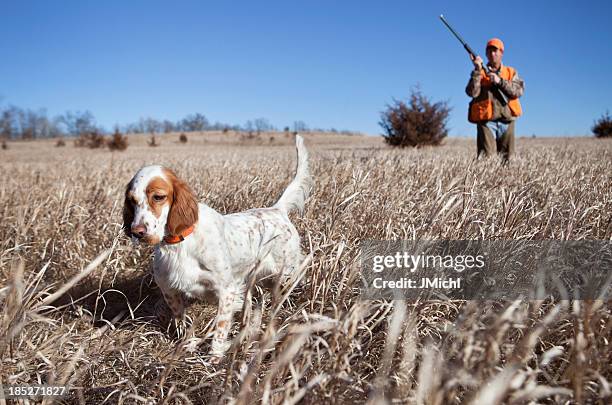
180 272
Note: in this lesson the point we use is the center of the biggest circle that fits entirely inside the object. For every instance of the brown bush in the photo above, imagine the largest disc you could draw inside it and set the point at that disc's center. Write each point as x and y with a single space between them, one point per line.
250 136
153 141
603 126
92 140
418 123
60 143
4 145
183 138
118 142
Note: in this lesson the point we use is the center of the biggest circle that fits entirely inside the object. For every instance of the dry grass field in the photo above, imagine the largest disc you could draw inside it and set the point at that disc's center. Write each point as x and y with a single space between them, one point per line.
316 342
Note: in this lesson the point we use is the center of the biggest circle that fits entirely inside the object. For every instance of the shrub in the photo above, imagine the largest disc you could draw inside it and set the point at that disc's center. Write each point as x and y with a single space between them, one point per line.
249 136
4 145
603 126
91 140
153 141
418 123
183 138
60 143
118 142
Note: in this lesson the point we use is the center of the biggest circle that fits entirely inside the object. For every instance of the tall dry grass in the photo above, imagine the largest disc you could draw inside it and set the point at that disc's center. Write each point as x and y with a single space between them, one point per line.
78 299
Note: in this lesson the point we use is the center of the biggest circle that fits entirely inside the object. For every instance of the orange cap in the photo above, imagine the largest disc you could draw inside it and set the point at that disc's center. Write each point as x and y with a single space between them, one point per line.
496 42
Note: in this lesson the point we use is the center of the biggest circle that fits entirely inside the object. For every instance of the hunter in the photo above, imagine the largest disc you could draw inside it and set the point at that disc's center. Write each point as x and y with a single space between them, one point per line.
493 116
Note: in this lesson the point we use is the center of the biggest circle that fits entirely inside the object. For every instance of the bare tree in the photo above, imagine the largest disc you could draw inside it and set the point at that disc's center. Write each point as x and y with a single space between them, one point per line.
300 126
42 123
152 126
28 123
262 125
131 128
194 122
8 120
77 123
168 126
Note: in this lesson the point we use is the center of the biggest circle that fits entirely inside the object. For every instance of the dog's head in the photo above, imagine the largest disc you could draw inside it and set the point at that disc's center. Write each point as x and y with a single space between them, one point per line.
157 205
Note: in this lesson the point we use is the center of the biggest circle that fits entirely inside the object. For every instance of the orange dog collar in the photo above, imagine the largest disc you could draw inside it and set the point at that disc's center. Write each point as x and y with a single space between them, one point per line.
173 239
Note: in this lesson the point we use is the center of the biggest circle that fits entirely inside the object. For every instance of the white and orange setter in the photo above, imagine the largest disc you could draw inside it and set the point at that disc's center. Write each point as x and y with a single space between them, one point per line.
198 249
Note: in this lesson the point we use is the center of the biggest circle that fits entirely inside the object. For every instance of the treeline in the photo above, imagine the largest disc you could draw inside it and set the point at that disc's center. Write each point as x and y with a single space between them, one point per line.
20 123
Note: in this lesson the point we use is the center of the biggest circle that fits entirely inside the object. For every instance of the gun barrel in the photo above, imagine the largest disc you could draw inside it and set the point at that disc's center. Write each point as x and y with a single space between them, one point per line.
456 34
502 97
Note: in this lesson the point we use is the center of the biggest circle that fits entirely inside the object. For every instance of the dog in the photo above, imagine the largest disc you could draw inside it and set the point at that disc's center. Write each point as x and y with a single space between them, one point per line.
198 249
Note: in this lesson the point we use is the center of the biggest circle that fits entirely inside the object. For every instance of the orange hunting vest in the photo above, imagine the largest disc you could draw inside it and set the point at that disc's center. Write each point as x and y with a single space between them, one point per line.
481 108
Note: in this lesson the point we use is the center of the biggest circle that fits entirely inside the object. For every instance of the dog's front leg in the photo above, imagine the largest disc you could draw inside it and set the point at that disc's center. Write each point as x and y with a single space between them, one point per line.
230 301
174 300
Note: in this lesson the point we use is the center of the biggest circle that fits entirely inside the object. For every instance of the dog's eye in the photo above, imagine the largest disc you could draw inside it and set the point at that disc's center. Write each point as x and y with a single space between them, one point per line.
159 198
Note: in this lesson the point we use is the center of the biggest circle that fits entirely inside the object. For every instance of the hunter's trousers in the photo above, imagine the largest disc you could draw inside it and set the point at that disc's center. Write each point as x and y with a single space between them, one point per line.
495 135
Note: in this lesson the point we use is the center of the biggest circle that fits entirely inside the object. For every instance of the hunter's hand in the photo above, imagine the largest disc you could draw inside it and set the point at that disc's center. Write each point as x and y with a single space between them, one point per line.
494 78
477 61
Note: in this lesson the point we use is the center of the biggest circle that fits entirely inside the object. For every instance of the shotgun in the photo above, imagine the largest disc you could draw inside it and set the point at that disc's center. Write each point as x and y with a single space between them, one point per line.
496 90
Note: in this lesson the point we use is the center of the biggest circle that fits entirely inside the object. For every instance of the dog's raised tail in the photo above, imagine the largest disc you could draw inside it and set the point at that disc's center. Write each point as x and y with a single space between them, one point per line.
297 191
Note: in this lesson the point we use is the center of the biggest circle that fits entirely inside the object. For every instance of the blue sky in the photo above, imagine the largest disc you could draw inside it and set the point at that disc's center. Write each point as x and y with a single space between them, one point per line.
327 63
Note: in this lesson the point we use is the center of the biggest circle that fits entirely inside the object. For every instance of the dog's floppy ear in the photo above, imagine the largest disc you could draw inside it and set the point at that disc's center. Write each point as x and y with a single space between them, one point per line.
128 212
184 209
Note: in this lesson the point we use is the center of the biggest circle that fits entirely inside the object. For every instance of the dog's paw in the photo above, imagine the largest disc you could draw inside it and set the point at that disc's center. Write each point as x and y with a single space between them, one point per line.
191 344
180 327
